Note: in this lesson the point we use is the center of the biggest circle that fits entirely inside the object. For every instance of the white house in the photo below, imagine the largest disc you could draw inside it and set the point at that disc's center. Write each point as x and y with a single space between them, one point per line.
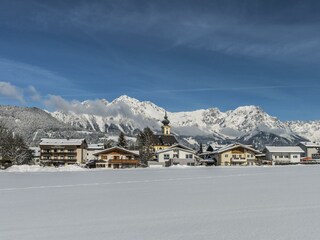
93 149
311 150
177 154
283 154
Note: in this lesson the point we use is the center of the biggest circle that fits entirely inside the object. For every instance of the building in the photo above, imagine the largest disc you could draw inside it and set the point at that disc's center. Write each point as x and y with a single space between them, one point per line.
311 151
166 139
35 151
92 149
233 154
214 147
283 154
63 151
177 154
117 157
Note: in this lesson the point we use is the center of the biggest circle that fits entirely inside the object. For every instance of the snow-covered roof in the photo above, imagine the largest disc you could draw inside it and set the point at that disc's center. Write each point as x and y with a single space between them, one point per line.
177 147
136 153
284 149
67 142
310 144
96 146
235 145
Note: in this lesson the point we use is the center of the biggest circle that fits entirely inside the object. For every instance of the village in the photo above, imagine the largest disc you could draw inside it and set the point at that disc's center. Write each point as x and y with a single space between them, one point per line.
164 150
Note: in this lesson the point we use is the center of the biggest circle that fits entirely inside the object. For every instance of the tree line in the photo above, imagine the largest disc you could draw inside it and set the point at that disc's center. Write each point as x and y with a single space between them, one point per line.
13 148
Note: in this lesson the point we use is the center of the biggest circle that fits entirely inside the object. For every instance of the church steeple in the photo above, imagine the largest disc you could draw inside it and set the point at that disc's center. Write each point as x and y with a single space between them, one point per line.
165 127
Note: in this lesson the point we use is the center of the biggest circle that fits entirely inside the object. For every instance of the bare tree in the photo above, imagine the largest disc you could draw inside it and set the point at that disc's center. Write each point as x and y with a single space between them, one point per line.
13 147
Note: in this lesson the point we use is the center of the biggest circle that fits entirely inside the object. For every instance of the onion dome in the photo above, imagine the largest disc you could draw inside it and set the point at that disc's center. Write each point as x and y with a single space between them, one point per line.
165 121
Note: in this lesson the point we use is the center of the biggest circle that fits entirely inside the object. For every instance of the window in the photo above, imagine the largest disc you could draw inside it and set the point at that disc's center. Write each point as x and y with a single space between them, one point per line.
189 156
295 156
175 156
226 155
166 156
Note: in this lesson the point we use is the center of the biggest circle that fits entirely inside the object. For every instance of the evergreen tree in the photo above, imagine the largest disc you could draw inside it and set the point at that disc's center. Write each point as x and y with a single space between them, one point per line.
122 142
200 149
109 143
144 143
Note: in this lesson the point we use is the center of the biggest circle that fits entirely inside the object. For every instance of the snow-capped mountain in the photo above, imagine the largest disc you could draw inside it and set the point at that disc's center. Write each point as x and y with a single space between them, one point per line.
249 122
94 119
309 129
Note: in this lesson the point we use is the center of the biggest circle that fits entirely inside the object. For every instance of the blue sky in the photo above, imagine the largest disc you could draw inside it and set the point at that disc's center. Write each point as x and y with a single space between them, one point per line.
181 55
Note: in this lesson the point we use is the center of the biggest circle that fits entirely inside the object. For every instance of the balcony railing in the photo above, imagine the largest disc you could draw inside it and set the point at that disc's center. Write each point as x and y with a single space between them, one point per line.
123 161
238 160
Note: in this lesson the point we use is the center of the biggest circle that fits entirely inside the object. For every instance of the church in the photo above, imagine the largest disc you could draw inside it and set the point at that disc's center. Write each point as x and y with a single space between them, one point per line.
166 139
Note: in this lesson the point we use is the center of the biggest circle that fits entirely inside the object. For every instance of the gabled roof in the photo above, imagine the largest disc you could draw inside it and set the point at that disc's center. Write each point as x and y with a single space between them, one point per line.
214 147
284 149
164 140
61 142
233 146
135 153
310 144
177 147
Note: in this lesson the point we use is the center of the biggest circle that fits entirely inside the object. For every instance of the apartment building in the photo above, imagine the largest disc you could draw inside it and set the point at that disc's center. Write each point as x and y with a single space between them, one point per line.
56 152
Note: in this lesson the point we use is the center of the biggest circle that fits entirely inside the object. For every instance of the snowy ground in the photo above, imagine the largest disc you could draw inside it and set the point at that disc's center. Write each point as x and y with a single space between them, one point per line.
241 203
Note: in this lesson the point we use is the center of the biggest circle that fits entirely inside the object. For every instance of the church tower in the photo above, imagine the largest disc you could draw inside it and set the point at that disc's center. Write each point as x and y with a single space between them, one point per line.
165 127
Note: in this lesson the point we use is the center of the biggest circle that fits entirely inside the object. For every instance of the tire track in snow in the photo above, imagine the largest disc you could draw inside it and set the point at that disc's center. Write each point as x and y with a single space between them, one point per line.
127 182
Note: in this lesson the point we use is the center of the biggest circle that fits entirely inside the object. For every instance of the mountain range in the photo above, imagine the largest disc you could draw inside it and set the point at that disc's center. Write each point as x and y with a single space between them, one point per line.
95 119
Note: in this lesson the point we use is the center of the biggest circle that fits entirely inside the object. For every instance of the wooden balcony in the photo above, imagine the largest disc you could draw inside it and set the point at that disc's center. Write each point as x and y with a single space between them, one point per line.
123 161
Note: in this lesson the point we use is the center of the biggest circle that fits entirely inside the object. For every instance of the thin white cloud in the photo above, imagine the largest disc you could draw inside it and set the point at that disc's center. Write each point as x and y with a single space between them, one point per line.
216 31
10 91
23 73
228 89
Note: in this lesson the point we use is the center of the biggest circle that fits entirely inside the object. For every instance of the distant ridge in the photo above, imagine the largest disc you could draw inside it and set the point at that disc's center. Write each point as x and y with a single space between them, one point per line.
247 124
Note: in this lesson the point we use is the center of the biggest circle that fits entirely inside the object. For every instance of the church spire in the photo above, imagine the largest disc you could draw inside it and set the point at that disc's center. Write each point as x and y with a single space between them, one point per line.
165 127
165 121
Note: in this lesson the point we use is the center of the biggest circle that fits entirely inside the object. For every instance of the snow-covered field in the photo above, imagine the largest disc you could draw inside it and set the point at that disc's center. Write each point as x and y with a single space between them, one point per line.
241 203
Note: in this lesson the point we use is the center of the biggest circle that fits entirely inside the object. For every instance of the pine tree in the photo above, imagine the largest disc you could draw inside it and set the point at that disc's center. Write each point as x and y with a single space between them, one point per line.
122 142
144 142
200 149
